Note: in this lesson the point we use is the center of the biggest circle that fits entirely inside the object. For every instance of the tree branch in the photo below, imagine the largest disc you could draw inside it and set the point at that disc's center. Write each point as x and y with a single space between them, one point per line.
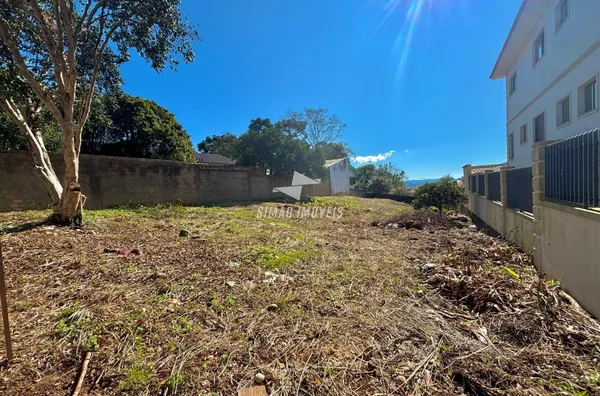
83 24
39 154
29 77
37 13
86 103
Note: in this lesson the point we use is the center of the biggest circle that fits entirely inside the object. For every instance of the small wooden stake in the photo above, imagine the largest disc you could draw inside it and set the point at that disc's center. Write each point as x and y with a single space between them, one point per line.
9 354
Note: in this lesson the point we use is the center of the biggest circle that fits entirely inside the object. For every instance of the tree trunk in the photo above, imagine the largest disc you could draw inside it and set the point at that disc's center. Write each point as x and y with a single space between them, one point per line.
70 211
29 126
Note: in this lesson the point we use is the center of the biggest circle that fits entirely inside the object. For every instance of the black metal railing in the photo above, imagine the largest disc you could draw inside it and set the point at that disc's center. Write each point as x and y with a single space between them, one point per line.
572 170
519 189
481 185
494 186
474 184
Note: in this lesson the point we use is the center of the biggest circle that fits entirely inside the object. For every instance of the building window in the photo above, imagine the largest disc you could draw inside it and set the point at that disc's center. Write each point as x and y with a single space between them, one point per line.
512 84
562 13
511 146
523 133
588 97
539 128
539 48
563 111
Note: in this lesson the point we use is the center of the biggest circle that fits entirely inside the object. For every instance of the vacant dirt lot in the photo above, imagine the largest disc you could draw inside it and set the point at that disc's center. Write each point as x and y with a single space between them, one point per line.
379 301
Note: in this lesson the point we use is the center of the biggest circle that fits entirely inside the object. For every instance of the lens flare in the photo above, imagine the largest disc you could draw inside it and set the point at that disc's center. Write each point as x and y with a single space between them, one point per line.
415 10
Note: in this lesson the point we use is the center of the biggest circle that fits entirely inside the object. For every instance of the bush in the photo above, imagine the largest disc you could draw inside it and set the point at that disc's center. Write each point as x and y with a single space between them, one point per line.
445 194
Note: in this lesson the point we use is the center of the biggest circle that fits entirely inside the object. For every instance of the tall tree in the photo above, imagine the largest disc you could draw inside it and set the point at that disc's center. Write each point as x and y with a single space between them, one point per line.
260 124
278 152
225 145
320 126
335 150
51 55
143 129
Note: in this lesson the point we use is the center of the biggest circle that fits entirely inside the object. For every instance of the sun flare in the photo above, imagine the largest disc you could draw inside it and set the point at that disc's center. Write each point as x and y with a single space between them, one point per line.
414 12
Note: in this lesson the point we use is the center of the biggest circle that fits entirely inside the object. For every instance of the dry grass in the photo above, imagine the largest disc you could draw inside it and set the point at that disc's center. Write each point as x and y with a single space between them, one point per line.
351 311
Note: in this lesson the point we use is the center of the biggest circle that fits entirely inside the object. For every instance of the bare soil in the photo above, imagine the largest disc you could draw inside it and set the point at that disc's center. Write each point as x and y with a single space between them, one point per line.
382 301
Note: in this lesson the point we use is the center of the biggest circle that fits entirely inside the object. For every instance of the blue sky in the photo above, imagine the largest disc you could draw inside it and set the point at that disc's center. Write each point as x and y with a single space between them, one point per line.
409 76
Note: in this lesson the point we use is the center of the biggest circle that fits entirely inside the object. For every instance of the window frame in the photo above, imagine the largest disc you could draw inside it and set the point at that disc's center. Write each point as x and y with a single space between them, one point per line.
581 96
559 22
512 78
537 60
542 115
560 121
511 146
523 134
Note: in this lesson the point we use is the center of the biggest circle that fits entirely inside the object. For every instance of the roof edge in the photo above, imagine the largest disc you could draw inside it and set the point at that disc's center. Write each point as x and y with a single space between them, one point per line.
493 75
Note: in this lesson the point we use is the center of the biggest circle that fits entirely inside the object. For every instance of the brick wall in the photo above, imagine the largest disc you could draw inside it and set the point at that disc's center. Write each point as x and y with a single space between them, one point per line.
114 181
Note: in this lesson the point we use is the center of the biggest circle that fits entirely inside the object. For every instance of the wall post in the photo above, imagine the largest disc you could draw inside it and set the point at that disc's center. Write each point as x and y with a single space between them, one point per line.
487 184
467 170
539 193
504 194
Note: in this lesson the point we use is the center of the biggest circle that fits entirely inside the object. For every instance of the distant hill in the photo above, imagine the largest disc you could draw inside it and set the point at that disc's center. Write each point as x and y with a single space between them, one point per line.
417 183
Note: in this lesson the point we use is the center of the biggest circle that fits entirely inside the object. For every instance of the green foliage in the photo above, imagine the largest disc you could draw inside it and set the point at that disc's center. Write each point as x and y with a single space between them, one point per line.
74 325
12 139
285 146
445 194
335 150
135 127
383 179
267 146
225 145
273 259
137 377
174 382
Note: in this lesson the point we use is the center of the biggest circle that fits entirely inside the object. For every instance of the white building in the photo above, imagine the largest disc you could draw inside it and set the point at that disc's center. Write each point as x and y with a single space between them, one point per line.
551 63
340 175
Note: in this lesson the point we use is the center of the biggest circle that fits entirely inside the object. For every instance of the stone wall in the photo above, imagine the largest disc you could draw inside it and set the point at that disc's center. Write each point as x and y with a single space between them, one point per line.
115 181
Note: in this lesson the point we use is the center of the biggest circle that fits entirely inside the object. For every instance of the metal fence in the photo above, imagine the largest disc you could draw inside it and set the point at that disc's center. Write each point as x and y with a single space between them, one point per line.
474 184
481 186
519 189
572 170
494 186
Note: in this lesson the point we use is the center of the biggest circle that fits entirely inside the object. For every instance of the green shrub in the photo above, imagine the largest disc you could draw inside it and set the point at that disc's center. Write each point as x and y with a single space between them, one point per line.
445 194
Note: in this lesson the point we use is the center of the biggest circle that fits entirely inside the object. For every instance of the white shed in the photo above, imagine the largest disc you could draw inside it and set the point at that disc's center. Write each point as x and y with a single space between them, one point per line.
340 174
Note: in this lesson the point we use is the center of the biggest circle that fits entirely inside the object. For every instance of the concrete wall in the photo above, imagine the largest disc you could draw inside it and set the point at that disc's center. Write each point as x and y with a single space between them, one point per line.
572 58
512 225
339 177
570 251
480 208
317 190
114 181
494 216
518 228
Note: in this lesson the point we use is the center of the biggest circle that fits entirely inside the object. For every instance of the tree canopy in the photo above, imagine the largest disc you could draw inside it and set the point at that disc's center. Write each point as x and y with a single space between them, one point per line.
445 194
225 145
120 125
382 179
335 150
300 142
137 127
268 146
319 125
